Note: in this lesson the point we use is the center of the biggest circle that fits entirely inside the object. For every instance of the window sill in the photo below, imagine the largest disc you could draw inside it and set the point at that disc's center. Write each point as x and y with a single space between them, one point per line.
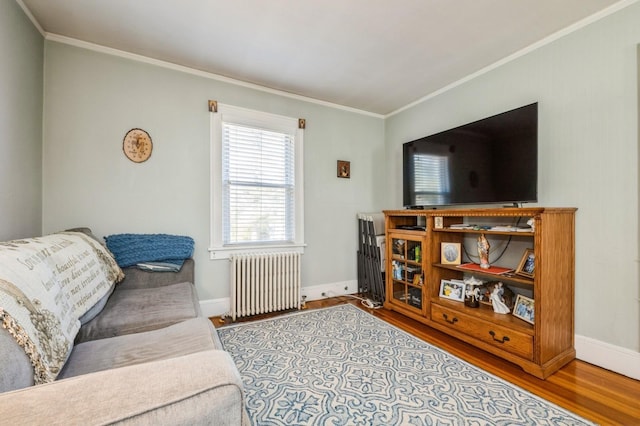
218 253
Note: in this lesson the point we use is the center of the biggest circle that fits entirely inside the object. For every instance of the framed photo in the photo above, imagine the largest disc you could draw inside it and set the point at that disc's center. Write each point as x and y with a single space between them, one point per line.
523 309
438 222
344 169
417 279
527 264
450 253
453 290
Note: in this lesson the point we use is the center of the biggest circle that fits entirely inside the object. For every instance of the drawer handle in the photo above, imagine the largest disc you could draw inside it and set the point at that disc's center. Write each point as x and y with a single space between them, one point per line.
450 321
504 338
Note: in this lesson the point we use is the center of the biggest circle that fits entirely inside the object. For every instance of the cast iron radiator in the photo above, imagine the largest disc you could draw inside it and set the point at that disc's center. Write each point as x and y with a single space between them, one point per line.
262 283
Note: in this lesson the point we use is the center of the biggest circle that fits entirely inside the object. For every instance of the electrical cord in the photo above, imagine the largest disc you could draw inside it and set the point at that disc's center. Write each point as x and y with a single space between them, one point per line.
506 246
471 257
368 303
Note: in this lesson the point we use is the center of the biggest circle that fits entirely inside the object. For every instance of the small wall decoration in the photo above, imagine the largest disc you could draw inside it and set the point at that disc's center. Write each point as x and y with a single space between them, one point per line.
527 264
137 145
344 169
523 309
450 289
450 253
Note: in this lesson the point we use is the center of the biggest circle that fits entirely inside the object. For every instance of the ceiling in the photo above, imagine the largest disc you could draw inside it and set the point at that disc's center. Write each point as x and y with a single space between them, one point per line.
372 55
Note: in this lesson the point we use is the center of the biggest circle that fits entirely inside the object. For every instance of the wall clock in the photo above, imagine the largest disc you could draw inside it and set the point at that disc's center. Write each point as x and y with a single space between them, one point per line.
137 145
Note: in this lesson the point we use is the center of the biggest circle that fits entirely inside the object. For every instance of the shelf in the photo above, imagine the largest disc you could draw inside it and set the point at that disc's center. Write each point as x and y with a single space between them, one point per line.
506 277
409 232
407 261
410 284
485 312
484 231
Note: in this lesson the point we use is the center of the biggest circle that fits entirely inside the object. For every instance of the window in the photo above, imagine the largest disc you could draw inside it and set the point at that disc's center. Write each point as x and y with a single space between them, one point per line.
256 181
432 179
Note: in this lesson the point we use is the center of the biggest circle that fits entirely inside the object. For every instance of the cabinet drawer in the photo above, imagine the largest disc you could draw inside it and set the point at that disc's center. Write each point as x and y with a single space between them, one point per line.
501 337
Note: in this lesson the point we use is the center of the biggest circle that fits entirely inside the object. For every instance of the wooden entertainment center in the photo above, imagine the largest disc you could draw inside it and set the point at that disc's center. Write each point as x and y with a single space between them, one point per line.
415 271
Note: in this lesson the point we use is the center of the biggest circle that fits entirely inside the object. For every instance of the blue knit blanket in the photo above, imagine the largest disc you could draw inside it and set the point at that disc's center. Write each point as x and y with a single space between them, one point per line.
131 249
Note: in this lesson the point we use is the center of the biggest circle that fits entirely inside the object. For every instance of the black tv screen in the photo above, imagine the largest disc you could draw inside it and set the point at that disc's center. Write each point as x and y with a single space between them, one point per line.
493 160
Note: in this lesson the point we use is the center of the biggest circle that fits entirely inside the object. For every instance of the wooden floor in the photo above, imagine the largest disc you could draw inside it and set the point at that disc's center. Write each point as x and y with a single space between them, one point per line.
594 393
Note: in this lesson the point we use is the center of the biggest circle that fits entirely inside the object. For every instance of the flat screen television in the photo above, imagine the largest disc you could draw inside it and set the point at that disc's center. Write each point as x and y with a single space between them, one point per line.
493 160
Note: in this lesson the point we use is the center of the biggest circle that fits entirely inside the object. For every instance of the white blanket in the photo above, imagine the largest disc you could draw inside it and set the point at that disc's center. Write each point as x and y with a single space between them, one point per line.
46 284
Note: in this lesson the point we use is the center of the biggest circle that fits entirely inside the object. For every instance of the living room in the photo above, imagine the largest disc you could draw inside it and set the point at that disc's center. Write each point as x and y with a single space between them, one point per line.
66 105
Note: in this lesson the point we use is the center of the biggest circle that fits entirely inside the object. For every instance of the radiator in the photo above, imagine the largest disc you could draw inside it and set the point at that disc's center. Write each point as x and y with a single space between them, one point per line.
262 283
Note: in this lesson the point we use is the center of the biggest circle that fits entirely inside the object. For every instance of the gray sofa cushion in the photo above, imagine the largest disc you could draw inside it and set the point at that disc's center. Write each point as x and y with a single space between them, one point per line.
184 338
139 310
97 308
138 278
88 232
20 373
197 389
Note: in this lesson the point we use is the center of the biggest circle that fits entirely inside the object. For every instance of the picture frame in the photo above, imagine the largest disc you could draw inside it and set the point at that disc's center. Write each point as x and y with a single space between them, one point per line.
417 279
527 265
524 309
450 253
344 169
453 290
438 222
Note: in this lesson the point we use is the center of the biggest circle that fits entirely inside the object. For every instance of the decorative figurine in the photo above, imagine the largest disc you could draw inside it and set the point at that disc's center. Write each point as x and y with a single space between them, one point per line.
472 293
497 301
483 251
473 297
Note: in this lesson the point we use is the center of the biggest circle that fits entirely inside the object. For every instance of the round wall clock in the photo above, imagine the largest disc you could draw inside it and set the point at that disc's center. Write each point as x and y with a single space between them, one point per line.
137 145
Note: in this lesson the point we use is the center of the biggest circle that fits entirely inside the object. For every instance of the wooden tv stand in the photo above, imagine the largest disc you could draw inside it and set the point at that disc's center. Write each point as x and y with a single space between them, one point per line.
415 270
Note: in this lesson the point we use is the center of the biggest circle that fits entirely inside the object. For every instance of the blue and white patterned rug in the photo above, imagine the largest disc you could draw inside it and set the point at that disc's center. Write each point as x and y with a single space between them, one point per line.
343 366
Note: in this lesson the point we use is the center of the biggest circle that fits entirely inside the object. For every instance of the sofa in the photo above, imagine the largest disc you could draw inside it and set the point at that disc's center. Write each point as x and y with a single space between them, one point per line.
108 345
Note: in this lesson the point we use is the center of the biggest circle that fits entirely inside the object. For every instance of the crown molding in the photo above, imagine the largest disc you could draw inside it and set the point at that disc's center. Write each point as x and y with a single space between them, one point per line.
547 40
181 68
32 18
140 58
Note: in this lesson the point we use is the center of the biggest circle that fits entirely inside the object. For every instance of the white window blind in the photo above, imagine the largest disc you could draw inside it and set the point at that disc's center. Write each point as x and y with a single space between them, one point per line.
258 179
257 186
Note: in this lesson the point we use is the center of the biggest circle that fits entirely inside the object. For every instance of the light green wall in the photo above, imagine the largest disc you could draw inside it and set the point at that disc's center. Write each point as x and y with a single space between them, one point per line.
92 99
586 86
21 50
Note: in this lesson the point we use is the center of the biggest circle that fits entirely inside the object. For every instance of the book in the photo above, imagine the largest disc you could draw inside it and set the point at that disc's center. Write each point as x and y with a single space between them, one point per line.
495 270
461 226
509 228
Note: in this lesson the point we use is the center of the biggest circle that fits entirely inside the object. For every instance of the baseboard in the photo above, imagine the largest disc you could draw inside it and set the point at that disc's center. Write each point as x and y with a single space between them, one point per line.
214 307
217 307
615 358
323 291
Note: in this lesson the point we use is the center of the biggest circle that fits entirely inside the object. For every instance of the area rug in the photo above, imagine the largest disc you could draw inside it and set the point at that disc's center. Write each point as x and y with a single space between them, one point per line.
343 366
